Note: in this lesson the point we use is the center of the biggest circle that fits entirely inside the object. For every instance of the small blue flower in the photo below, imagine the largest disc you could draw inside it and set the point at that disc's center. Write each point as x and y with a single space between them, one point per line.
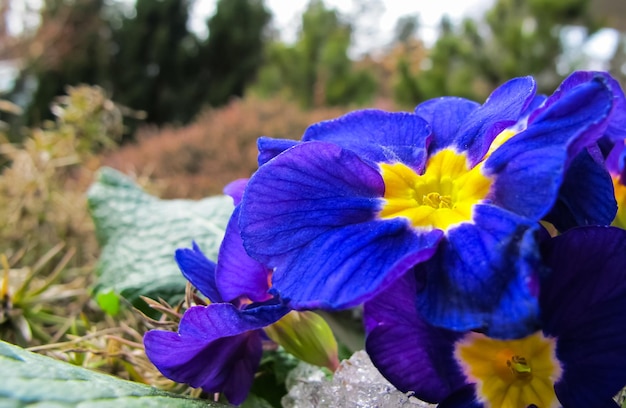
575 359
218 347
454 190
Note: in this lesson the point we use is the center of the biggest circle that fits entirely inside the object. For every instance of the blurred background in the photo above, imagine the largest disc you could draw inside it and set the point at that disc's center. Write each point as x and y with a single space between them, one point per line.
198 77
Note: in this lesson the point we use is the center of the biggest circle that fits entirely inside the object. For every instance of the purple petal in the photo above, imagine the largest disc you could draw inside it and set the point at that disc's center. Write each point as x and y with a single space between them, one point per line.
218 320
616 160
199 270
225 365
410 353
377 136
463 398
237 275
235 189
483 277
585 197
584 307
217 347
311 213
529 167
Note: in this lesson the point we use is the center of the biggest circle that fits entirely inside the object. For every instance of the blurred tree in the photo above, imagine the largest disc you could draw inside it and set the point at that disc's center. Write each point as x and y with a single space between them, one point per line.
69 47
447 72
406 28
145 55
317 69
235 48
526 39
152 67
339 83
515 38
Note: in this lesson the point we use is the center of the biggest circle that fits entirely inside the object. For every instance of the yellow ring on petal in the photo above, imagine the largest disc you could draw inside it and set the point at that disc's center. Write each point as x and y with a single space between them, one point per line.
443 197
499 140
511 373
620 196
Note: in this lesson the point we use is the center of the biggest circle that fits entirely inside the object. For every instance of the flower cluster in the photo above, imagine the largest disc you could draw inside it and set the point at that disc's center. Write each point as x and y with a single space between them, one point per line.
476 236
219 346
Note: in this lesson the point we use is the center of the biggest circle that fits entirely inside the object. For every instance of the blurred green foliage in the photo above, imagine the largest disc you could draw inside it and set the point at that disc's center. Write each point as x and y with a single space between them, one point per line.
514 38
146 57
152 65
234 50
317 70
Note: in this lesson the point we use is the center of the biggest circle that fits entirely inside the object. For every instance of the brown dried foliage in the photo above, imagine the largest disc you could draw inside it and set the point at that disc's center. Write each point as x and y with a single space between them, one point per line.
198 160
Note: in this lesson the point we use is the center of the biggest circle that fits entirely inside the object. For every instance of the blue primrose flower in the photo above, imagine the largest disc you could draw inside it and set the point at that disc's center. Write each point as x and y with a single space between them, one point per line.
576 359
218 347
455 187
588 170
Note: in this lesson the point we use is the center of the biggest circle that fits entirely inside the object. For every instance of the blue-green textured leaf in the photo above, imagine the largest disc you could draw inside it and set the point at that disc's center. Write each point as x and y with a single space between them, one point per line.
32 380
138 234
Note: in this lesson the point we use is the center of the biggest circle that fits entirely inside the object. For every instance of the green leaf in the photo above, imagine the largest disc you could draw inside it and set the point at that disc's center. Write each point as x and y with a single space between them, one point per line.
139 233
32 380
109 302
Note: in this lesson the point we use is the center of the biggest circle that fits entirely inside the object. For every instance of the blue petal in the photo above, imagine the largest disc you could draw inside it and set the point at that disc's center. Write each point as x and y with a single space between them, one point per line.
237 275
586 195
537 102
311 189
270 148
199 270
616 129
483 277
345 267
410 353
377 136
529 167
445 116
311 213
503 108
614 156
584 306
225 365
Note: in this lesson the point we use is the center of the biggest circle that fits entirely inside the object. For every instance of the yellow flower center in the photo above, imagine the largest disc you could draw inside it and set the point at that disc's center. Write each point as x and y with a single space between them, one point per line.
442 197
620 196
511 373
502 137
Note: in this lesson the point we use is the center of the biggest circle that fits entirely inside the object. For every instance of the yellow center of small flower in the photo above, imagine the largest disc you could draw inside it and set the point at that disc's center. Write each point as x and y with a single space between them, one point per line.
620 196
442 197
511 373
